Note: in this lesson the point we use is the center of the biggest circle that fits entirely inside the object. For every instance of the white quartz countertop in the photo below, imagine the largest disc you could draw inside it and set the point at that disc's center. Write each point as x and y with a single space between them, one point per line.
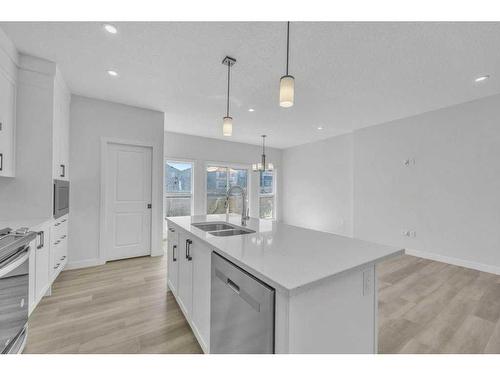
31 223
286 256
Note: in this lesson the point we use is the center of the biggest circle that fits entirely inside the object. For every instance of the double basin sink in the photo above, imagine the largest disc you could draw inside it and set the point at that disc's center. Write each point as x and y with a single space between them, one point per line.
222 229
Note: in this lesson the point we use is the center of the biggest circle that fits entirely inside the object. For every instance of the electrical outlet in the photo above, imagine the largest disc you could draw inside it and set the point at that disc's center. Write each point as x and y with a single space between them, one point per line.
409 162
409 233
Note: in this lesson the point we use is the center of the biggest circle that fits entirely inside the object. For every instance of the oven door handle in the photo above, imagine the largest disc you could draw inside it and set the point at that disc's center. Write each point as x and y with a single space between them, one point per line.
17 260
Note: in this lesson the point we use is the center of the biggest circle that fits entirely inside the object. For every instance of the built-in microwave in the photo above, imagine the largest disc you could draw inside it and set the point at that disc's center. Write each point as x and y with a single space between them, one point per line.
61 198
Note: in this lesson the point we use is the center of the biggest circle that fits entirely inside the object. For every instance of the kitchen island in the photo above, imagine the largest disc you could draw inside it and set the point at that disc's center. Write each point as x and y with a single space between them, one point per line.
325 284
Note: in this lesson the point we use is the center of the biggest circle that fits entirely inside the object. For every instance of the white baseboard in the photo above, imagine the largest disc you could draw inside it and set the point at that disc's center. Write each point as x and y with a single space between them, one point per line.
83 264
455 261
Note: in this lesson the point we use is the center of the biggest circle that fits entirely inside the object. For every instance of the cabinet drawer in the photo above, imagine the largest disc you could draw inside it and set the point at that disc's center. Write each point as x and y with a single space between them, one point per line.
58 256
60 228
172 236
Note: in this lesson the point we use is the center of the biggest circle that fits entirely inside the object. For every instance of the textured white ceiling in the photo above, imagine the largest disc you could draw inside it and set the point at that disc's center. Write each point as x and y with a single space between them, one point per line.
348 75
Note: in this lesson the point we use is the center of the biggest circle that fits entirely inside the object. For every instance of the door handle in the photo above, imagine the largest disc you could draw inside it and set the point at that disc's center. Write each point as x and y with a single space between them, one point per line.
41 236
1 161
63 170
174 259
188 249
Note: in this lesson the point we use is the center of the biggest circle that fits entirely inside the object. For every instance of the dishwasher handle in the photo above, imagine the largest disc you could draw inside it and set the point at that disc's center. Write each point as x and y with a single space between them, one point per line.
237 290
230 283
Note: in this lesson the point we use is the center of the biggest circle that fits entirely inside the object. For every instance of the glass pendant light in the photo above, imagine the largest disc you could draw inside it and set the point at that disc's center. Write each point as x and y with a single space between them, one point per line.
263 166
287 82
227 121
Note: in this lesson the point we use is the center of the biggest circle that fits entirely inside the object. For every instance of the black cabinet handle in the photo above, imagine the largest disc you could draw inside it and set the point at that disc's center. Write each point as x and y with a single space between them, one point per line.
1 162
41 242
63 170
174 259
188 250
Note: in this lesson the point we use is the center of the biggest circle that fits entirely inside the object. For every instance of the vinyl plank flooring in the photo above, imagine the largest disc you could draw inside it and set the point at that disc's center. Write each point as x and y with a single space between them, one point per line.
124 307
120 307
435 307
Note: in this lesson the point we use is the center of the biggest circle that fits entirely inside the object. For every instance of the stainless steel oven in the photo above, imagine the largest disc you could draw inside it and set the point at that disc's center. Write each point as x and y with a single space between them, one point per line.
14 290
61 198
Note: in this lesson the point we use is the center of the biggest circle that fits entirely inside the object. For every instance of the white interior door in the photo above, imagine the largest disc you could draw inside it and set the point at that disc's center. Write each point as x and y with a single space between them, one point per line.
128 201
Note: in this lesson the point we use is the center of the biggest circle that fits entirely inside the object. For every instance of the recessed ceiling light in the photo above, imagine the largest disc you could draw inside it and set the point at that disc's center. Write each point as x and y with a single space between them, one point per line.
482 78
110 28
112 73
320 127
251 110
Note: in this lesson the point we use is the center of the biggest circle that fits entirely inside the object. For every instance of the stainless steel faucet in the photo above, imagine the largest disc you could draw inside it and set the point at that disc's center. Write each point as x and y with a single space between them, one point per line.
244 211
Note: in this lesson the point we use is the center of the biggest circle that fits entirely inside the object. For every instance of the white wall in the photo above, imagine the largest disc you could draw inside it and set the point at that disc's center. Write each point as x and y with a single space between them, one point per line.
201 150
450 197
91 120
317 185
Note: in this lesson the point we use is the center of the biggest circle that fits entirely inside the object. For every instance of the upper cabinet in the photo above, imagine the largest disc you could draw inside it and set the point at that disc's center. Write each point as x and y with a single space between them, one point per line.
60 132
8 84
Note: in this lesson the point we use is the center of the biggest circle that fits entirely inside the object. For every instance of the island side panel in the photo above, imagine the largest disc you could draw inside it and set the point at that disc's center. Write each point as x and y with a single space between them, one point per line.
281 323
335 316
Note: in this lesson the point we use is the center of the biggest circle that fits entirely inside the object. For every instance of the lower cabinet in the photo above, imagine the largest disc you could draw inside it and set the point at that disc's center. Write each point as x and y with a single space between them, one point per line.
173 260
48 256
58 246
42 261
201 291
189 278
185 286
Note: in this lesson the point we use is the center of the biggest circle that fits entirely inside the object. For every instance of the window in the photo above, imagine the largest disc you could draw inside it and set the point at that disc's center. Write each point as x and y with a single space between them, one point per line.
178 187
219 180
266 195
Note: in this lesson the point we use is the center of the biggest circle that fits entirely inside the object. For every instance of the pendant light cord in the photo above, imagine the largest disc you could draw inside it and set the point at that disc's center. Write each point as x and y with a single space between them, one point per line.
287 44
228 80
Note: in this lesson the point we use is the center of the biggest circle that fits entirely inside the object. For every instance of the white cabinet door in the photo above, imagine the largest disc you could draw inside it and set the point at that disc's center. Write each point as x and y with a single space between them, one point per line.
42 261
7 125
185 290
201 255
173 260
60 129
31 278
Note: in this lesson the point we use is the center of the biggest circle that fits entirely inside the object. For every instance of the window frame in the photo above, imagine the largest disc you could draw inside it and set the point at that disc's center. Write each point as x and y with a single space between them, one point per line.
227 165
179 194
268 195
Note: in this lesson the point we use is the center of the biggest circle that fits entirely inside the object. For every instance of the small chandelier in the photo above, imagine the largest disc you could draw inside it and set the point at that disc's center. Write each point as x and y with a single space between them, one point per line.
287 82
263 166
227 121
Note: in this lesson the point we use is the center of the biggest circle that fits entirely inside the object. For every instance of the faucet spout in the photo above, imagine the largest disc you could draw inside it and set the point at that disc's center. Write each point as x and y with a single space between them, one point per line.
244 211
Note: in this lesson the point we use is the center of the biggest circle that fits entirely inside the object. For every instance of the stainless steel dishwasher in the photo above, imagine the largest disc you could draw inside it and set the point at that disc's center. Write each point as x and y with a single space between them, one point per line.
242 311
